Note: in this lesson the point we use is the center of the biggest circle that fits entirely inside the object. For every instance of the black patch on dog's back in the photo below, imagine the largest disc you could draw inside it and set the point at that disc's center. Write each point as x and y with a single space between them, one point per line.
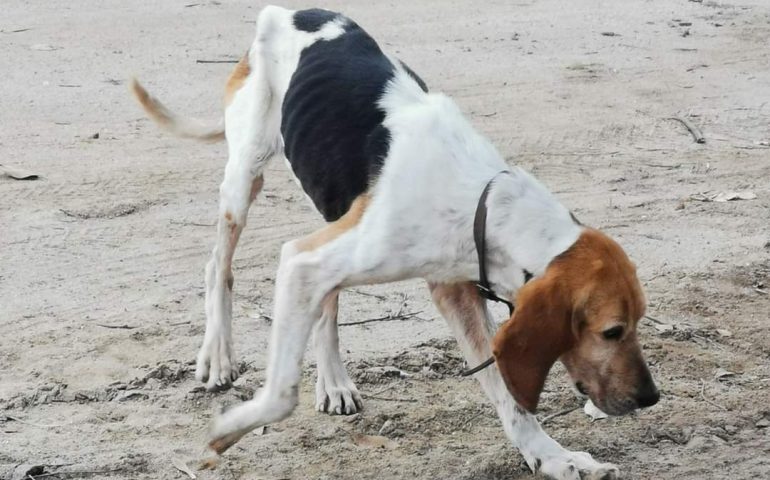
313 19
331 124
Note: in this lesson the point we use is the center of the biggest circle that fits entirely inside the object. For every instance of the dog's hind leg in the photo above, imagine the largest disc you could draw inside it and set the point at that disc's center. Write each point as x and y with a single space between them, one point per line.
335 392
252 121
311 272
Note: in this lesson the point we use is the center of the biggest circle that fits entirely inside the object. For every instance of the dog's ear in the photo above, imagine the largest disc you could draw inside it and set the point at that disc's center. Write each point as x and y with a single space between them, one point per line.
538 333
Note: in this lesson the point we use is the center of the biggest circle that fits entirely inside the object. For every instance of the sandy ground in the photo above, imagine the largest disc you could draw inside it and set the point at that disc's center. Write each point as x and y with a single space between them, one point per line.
119 227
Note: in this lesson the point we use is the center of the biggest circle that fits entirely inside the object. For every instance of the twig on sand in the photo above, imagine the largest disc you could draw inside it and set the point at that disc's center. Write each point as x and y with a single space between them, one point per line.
695 131
33 424
71 473
654 320
616 225
387 318
384 399
657 165
195 224
382 390
119 327
367 294
710 402
560 413
216 61
472 418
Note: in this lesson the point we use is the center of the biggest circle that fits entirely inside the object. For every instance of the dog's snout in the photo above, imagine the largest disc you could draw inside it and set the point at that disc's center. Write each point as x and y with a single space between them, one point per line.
648 396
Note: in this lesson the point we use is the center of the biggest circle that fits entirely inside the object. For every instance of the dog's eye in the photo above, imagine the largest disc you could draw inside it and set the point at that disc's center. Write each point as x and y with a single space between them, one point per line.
613 333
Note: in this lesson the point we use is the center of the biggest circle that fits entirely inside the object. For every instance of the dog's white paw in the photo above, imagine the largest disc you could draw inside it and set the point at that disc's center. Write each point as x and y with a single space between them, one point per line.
576 466
216 365
337 396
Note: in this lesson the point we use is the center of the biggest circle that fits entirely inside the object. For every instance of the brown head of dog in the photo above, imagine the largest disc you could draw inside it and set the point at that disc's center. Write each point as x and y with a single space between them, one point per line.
583 311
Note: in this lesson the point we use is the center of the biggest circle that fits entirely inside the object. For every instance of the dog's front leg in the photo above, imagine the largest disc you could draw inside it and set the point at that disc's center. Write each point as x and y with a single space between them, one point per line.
335 392
473 327
542 453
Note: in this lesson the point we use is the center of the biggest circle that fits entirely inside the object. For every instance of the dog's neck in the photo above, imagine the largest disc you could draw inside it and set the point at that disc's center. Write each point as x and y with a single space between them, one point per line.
526 228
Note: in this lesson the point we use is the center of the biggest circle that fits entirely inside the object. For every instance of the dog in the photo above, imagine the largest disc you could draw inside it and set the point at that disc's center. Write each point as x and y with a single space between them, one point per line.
397 172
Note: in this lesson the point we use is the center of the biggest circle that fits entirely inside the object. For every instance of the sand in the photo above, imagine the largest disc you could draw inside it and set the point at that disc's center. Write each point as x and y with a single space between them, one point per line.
118 228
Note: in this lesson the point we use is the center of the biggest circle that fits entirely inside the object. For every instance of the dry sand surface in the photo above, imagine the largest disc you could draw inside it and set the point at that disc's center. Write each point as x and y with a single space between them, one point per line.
101 259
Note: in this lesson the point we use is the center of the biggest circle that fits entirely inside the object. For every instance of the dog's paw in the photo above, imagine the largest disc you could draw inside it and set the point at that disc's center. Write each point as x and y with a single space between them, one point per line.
337 397
576 466
216 365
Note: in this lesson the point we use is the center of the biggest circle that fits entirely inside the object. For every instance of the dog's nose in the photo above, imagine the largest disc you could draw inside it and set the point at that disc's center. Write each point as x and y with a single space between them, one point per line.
648 396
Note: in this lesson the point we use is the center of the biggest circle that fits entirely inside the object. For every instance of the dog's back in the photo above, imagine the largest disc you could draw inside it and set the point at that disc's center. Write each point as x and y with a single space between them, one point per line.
311 83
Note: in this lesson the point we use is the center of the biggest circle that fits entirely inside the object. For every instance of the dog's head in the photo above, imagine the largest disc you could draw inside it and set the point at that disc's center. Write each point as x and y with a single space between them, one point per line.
583 310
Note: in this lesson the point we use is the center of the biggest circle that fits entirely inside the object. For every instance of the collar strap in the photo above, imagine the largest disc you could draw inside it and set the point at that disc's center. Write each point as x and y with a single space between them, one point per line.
483 286
467 373
479 238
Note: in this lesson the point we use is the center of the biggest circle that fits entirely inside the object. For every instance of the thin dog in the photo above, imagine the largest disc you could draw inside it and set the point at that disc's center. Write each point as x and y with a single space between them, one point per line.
397 172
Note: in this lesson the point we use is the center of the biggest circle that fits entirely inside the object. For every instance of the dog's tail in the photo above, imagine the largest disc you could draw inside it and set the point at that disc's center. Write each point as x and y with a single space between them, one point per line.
171 122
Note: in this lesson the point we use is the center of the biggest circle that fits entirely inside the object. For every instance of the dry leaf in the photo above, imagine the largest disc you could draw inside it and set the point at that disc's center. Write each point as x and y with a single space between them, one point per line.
727 196
725 333
593 411
373 441
182 467
18 173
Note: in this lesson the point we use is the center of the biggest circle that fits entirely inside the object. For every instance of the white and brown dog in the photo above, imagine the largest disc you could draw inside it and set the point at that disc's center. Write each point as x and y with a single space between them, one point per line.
398 172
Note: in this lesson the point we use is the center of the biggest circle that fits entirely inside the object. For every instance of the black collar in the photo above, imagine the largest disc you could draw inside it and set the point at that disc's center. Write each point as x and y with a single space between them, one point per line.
479 238
483 286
